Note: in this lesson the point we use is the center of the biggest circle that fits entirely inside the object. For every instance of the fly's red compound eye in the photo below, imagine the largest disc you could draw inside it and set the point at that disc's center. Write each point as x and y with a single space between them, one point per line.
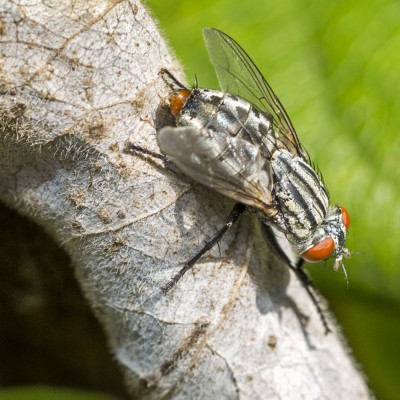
177 100
345 217
320 251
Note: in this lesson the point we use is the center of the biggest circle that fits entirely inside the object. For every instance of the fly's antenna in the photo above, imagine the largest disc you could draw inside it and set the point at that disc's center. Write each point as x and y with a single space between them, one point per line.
196 83
339 264
345 274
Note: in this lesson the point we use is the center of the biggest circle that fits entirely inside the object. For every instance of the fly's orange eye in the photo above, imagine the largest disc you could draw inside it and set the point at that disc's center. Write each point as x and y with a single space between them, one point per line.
177 100
345 217
320 251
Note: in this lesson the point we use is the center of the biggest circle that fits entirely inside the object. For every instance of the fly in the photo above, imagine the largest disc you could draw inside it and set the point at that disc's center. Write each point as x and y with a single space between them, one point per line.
240 142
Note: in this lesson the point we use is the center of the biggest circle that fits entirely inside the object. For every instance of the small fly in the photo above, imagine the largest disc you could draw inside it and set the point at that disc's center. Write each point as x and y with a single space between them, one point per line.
240 142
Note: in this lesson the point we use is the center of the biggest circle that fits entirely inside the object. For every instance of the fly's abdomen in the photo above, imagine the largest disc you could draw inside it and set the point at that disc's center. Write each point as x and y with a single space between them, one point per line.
211 144
223 112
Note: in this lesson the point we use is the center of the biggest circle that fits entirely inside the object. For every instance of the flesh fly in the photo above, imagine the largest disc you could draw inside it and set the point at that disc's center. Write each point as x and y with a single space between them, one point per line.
239 141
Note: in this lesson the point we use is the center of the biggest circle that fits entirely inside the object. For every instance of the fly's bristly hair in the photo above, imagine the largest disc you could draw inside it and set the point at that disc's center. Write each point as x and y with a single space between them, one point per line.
195 84
315 167
171 81
318 171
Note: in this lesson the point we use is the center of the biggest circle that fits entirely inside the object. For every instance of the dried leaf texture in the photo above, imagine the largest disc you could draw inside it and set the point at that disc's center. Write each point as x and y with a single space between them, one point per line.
78 80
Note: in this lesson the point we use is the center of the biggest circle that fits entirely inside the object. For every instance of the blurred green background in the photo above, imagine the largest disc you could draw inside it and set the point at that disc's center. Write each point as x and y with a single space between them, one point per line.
51 393
335 67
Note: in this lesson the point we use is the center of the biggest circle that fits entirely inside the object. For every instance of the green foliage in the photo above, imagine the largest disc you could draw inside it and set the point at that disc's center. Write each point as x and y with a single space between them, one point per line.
335 67
50 393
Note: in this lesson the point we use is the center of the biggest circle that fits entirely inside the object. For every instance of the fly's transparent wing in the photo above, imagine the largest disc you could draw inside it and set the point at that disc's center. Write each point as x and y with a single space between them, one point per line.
237 74
229 165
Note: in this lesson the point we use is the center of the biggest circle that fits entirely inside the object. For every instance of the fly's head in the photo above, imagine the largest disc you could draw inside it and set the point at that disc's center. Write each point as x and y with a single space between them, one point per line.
329 239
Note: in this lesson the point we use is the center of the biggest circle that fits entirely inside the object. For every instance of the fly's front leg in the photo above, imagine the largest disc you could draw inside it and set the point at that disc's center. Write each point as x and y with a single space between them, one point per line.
232 218
310 288
299 271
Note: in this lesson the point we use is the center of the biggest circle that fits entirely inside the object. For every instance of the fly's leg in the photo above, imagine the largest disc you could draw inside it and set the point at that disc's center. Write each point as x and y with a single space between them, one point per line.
131 147
310 288
170 80
232 218
299 271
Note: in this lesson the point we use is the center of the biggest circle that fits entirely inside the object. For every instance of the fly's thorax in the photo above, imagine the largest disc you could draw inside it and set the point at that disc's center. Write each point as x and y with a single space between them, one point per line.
302 200
301 210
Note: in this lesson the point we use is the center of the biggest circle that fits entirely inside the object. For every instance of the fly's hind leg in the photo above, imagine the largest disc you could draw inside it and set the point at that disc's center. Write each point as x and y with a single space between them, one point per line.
170 80
232 218
131 147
